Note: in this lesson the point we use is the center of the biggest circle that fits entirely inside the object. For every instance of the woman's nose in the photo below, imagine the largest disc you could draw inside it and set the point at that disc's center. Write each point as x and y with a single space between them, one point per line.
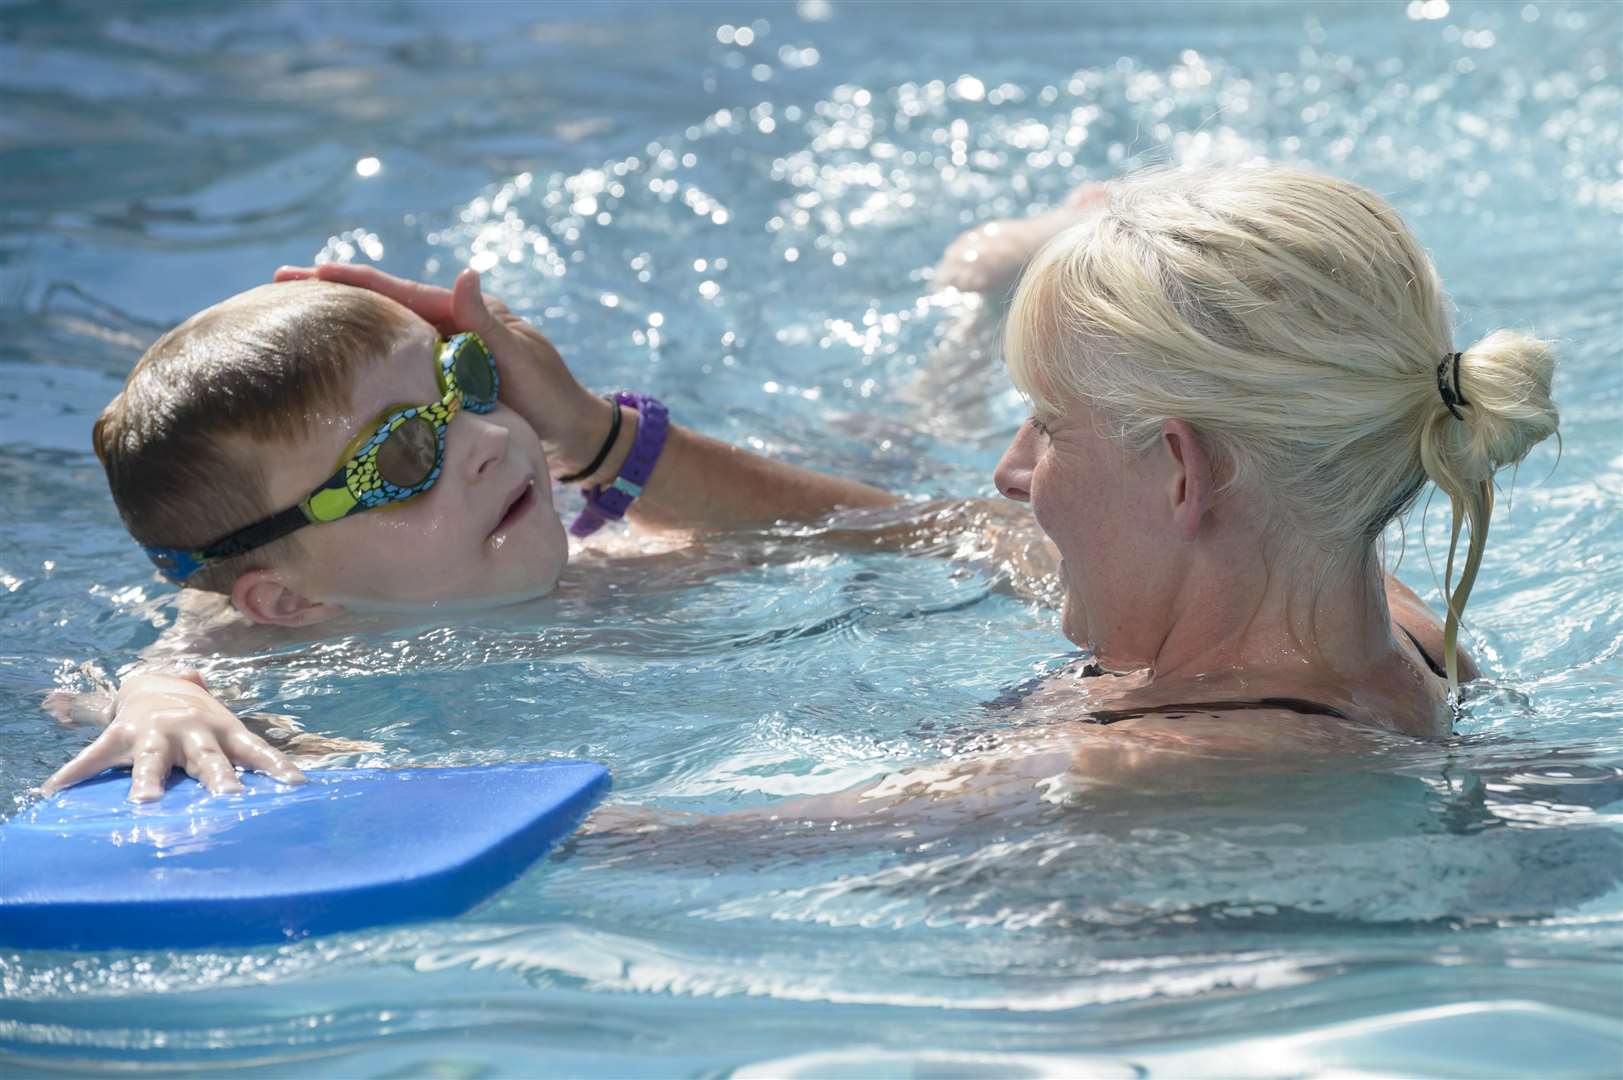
1013 472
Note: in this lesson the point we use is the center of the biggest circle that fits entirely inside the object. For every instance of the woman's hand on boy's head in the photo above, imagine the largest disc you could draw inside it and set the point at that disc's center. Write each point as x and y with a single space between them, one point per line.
164 720
536 383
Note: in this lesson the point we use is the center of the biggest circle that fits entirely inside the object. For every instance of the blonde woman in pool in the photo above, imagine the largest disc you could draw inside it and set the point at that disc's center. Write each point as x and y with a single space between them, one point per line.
1238 379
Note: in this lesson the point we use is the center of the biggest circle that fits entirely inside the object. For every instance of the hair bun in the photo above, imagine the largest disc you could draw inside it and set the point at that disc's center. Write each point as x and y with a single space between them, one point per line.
1504 407
1504 382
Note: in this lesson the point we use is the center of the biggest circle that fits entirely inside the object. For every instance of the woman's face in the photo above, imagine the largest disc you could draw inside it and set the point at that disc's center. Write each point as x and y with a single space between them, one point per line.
1106 510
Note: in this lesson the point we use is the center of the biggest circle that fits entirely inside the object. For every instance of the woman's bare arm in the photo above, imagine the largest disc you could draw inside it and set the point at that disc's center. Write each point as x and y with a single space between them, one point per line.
703 483
698 483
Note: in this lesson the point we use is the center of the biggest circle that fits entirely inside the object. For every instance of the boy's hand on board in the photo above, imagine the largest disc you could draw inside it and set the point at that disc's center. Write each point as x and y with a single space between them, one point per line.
164 720
536 383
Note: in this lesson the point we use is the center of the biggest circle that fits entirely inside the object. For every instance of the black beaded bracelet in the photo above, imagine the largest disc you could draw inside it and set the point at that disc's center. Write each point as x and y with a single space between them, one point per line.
602 454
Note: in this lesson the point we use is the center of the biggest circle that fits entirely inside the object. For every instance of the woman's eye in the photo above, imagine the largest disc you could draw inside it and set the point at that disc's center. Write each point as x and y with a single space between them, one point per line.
1040 426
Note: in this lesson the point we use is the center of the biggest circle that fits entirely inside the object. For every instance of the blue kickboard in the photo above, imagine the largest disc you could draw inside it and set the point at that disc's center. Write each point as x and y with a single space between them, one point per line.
352 848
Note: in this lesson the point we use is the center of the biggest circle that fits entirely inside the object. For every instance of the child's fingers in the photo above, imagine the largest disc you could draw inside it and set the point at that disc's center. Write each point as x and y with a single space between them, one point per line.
192 675
250 750
80 707
293 273
91 760
212 769
60 704
148 774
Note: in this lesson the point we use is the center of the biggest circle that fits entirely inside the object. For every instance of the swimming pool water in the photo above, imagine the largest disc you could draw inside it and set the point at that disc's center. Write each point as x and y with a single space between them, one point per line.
734 207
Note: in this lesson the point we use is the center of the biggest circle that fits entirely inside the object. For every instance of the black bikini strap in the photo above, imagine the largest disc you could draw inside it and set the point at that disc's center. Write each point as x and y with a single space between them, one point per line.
1175 711
1424 655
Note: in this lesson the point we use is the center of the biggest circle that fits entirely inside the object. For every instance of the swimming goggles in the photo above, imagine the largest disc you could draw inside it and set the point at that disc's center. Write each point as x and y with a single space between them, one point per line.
394 459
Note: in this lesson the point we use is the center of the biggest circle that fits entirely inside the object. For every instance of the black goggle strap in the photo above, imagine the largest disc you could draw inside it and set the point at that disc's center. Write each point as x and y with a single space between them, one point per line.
258 534
178 564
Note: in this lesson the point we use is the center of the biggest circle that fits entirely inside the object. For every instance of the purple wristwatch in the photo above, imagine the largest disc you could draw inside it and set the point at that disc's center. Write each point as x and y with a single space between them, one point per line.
611 500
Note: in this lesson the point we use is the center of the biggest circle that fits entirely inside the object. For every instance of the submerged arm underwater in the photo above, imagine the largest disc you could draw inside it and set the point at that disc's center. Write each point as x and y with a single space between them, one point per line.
1046 773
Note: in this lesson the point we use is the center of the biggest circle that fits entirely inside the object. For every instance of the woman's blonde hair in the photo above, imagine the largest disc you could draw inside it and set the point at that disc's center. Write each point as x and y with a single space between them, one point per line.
1293 320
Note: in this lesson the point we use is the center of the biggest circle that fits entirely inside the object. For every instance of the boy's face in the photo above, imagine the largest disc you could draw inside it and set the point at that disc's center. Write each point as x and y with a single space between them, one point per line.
484 534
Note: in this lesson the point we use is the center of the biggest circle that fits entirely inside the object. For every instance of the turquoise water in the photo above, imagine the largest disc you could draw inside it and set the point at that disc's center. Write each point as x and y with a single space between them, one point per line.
741 224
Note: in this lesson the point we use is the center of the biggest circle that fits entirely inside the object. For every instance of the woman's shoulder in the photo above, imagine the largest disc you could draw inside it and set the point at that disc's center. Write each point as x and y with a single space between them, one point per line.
1411 616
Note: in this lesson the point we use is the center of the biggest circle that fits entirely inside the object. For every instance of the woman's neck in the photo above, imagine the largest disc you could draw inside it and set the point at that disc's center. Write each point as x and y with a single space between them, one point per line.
1322 620
1241 628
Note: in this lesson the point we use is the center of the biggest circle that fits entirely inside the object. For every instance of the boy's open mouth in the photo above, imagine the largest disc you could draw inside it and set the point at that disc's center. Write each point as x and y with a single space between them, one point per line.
519 505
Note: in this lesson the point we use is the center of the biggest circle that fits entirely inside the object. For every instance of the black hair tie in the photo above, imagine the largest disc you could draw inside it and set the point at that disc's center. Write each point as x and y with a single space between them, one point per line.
1451 394
603 452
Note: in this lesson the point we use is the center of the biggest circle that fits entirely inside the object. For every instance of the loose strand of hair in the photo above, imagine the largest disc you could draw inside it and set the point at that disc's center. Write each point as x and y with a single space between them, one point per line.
1477 508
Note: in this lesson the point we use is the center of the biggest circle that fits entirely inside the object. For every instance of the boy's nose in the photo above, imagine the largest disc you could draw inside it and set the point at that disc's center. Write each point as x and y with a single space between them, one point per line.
489 446
1013 472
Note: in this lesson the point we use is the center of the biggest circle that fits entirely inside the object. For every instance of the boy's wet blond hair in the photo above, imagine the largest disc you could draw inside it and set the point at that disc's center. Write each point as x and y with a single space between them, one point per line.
182 443
1294 321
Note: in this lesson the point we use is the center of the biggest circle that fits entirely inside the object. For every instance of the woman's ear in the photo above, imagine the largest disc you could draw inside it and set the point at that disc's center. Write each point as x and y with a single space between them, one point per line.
1190 487
264 597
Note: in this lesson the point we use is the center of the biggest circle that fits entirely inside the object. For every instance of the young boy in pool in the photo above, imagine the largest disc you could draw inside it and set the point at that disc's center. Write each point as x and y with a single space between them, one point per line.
448 417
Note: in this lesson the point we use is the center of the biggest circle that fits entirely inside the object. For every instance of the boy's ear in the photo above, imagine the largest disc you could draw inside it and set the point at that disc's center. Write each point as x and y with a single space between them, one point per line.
264 597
